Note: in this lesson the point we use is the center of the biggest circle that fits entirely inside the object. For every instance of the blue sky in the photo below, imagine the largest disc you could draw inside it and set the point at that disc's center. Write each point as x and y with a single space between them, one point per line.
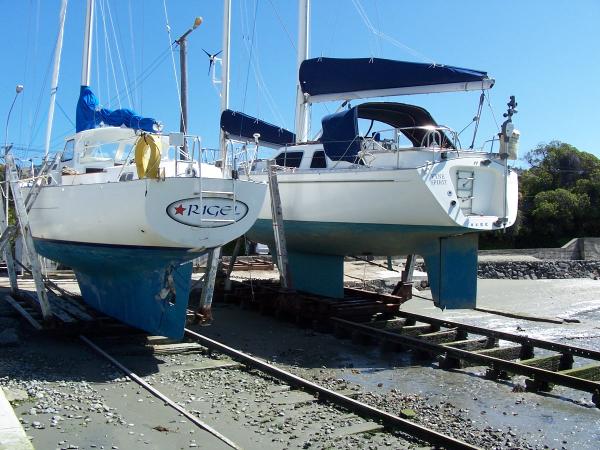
544 52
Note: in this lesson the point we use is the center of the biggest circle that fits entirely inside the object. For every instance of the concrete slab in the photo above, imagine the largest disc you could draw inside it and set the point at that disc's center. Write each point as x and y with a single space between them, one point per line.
12 435
293 397
364 427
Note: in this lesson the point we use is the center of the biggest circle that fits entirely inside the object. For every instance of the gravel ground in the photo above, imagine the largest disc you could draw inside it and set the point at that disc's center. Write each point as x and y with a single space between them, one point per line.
68 398
73 399
460 403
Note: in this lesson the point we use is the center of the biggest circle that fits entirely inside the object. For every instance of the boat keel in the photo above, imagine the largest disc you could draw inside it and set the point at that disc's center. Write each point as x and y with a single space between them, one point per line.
146 288
451 264
317 274
452 271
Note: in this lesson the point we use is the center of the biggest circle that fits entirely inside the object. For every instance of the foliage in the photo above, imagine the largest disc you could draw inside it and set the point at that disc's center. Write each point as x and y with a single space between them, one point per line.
559 199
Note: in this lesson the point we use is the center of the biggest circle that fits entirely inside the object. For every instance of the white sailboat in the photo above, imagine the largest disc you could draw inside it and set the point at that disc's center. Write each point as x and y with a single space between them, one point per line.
128 215
405 186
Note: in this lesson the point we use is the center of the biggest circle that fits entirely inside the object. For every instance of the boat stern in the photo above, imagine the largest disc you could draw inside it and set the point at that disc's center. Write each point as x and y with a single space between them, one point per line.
479 193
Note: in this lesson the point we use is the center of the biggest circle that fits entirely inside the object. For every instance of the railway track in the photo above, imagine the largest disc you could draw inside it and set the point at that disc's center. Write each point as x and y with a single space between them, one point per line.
368 317
293 394
336 417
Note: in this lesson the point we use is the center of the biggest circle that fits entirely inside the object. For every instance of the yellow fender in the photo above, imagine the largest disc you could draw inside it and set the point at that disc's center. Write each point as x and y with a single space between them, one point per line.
147 156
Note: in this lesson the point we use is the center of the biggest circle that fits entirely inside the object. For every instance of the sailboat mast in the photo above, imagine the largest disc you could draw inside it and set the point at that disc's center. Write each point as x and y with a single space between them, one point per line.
302 107
225 73
55 72
87 44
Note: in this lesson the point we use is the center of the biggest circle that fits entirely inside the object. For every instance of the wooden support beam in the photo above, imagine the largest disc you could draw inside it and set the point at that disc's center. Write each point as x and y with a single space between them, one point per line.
469 344
392 324
24 313
506 353
439 337
413 330
589 372
544 362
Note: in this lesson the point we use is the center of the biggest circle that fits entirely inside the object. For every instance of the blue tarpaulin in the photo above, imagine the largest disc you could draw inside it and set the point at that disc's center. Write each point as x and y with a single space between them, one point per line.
89 115
340 136
240 125
326 79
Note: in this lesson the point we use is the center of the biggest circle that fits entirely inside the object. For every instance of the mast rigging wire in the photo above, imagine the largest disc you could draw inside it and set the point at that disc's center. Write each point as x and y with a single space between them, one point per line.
258 75
107 46
174 66
283 25
250 56
33 126
123 68
379 26
365 18
154 65
97 56
25 70
65 114
133 59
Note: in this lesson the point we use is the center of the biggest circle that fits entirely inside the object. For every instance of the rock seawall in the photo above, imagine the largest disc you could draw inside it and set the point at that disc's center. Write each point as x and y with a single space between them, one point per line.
534 270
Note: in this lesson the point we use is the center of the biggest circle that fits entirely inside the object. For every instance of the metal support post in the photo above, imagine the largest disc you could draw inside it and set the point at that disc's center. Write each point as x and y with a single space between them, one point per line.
8 232
404 287
204 312
23 219
276 212
234 255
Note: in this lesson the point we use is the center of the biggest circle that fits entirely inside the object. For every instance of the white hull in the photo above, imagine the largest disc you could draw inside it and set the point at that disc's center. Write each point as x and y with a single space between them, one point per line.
418 196
134 213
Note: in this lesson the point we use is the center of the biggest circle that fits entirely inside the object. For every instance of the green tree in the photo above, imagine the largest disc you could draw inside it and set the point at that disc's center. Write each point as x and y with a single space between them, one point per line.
559 198
559 212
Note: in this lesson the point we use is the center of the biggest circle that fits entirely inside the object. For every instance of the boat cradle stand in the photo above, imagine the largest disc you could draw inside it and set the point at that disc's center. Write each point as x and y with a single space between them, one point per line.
22 206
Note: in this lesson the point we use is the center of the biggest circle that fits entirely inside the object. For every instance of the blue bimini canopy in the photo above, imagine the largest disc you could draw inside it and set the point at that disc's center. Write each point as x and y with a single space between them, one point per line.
241 126
340 138
327 79
89 115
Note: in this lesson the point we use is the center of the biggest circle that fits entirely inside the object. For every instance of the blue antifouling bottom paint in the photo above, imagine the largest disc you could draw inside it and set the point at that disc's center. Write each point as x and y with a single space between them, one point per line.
147 288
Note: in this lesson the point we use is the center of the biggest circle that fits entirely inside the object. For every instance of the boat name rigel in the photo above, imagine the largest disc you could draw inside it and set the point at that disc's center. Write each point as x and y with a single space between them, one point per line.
208 212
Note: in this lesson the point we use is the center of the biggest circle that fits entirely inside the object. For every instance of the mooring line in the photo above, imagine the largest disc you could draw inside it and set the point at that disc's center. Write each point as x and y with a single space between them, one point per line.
160 395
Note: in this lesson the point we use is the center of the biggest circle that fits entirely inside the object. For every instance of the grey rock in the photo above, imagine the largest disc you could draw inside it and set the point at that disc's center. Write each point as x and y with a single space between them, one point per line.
15 395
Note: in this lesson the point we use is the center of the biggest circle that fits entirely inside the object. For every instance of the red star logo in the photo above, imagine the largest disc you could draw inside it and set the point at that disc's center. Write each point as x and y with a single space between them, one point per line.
179 209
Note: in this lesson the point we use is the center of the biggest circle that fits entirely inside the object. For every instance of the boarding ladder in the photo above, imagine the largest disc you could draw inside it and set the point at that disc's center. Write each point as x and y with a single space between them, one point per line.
464 191
204 313
22 207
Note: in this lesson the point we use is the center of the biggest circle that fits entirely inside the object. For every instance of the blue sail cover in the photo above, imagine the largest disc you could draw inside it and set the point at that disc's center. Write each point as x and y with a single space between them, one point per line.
340 138
242 126
89 115
327 79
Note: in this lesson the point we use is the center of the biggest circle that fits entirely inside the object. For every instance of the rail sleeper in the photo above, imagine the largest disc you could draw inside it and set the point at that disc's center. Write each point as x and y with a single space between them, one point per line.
589 372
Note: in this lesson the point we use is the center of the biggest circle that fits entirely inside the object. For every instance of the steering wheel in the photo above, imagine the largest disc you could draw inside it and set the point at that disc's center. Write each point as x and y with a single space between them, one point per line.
431 139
